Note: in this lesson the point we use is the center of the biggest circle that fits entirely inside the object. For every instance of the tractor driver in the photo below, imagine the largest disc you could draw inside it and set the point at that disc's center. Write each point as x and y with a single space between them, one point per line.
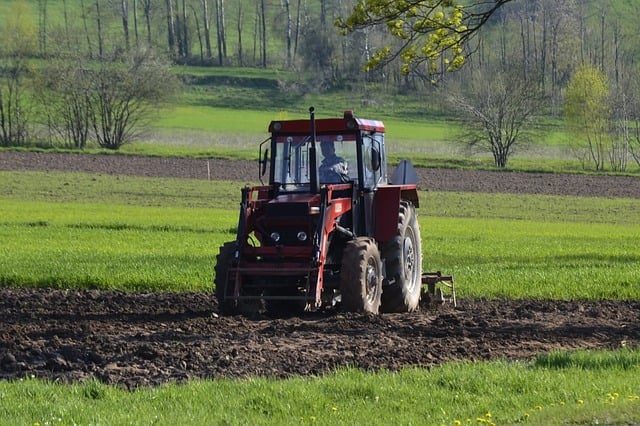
333 168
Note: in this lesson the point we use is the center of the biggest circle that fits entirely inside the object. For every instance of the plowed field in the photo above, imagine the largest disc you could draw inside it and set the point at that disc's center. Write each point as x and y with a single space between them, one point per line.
134 339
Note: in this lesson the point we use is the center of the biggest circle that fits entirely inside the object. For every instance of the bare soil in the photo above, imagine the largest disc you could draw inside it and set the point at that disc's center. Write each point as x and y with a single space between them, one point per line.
136 339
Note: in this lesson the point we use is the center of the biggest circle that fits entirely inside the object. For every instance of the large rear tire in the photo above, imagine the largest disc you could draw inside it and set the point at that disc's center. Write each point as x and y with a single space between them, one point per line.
403 264
361 276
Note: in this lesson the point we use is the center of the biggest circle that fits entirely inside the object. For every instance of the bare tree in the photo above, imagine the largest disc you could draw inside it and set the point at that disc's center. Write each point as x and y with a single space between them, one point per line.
64 97
99 29
221 37
124 5
263 27
186 50
206 23
135 22
288 31
19 42
198 33
42 26
171 28
123 97
146 11
239 29
85 19
111 103
496 113
14 108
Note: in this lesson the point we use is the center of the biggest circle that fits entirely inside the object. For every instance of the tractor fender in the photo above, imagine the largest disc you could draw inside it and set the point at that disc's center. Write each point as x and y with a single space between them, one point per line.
387 208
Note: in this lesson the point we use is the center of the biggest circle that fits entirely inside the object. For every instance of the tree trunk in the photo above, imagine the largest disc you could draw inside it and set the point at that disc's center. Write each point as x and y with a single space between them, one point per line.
67 36
256 31
86 29
146 10
135 22
289 31
602 33
99 28
171 28
240 53
223 31
207 27
218 33
42 26
297 36
263 21
186 48
125 23
198 33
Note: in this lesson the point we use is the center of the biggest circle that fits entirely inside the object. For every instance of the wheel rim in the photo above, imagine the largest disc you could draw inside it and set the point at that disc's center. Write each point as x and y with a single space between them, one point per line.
372 281
409 260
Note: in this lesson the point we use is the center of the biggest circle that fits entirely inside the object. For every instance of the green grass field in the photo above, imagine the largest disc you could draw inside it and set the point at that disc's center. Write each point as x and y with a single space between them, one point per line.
134 233
139 234
131 233
560 388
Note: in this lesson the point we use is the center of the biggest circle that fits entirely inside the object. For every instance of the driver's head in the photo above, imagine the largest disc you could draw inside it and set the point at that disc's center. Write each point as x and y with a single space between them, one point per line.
328 150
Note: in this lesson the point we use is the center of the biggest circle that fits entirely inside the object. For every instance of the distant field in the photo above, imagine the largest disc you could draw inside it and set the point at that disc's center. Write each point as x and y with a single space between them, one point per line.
78 230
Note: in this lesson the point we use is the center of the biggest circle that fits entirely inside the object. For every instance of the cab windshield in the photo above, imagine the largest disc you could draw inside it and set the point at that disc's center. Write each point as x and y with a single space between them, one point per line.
336 153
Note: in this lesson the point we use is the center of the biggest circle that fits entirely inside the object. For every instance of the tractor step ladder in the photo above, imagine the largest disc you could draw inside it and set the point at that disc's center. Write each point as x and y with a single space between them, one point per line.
431 279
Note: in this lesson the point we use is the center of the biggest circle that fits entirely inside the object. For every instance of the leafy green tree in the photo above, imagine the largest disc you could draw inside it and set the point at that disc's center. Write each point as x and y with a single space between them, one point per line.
587 114
431 34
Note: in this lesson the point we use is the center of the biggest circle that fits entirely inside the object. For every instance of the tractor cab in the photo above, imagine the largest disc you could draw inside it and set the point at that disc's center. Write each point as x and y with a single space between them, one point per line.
335 151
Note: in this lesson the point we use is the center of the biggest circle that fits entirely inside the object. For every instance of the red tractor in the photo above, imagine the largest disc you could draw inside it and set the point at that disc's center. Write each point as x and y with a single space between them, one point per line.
325 232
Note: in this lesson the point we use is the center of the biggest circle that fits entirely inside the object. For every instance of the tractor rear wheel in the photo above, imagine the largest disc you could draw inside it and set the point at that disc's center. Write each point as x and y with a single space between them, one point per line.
403 264
361 276
224 288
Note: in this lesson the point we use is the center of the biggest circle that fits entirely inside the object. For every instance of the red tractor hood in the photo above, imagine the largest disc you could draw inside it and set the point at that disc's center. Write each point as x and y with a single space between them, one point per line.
309 199
295 205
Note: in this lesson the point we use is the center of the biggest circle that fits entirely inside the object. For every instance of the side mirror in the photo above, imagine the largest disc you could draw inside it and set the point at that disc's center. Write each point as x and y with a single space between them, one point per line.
375 159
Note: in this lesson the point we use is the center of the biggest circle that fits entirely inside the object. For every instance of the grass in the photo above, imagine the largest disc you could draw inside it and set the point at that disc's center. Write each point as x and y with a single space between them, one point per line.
196 129
135 233
577 388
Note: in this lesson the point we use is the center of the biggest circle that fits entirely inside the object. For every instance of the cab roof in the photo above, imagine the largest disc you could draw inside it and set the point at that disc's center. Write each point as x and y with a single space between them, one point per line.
327 125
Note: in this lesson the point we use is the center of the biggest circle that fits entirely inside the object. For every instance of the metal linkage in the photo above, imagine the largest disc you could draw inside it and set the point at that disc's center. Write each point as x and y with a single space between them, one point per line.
431 279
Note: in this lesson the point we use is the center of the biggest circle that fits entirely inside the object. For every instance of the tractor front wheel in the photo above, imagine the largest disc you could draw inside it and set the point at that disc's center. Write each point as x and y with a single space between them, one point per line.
403 264
361 276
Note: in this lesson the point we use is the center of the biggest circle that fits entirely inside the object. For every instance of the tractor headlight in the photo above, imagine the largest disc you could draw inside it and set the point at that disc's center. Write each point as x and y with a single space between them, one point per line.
275 237
302 236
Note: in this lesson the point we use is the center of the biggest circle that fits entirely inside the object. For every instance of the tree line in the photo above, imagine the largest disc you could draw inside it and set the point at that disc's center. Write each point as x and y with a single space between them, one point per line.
532 59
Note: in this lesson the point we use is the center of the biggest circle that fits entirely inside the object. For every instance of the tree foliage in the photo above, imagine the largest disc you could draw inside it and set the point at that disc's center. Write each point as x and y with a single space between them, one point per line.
587 113
431 34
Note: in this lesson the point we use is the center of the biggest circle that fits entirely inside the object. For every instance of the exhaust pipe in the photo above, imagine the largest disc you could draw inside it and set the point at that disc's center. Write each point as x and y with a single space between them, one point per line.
313 162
